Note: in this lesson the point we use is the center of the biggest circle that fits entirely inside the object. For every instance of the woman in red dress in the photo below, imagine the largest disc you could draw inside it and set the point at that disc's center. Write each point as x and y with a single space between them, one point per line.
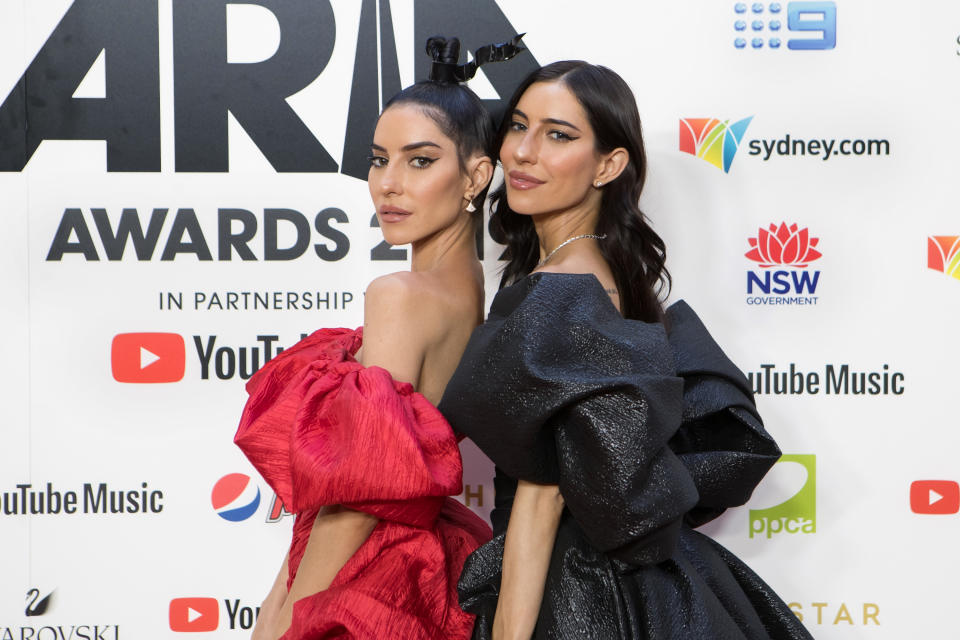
349 436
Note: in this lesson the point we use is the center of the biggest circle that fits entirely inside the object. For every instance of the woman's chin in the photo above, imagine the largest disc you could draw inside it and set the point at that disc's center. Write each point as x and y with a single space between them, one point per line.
526 211
395 237
521 203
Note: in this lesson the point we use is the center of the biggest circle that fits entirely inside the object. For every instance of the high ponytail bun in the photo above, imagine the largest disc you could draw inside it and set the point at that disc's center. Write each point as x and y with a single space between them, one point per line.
441 49
456 109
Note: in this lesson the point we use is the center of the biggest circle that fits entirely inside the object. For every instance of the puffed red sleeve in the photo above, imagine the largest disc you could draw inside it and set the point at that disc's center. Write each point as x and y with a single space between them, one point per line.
322 430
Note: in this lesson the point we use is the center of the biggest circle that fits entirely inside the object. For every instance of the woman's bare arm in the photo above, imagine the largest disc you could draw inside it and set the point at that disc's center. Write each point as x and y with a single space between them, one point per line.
534 519
390 341
272 604
336 535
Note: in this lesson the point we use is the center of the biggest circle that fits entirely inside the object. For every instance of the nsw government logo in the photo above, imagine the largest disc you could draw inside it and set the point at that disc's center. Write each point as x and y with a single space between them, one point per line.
713 140
235 497
794 475
943 255
784 254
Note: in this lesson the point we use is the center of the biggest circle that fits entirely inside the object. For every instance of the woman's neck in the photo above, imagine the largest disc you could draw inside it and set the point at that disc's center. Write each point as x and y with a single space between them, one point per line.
555 228
453 244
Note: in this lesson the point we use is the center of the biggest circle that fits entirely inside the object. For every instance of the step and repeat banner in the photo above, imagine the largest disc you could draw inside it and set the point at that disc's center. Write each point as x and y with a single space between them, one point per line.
182 189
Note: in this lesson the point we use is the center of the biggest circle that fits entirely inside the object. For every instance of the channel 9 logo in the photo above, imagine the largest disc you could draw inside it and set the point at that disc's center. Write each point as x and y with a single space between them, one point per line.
760 25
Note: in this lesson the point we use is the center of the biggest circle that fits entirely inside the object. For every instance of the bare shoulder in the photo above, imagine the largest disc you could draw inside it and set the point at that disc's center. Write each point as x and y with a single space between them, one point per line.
391 289
393 335
397 304
421 295
406 297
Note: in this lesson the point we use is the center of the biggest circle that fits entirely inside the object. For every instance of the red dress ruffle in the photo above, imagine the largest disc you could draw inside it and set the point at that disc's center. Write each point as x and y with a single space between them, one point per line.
323 430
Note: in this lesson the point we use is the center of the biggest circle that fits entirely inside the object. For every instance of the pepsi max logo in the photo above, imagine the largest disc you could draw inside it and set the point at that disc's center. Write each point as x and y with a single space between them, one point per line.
235 497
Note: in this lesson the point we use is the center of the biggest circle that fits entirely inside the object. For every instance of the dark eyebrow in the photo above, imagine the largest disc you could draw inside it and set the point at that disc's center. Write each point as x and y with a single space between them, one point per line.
417 145
563 123
408 147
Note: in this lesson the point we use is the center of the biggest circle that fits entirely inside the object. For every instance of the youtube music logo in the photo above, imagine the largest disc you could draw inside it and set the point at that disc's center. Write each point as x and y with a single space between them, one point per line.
147 357
194 614
936 497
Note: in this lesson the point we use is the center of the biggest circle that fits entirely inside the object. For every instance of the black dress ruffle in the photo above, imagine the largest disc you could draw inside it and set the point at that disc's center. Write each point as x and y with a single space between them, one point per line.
648 433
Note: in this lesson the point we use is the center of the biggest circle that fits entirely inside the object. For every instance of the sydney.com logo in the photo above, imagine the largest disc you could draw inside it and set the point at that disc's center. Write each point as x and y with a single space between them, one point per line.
943 255
794 475
717 141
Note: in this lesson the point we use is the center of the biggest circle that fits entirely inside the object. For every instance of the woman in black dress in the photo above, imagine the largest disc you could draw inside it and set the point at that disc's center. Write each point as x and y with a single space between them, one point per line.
616 427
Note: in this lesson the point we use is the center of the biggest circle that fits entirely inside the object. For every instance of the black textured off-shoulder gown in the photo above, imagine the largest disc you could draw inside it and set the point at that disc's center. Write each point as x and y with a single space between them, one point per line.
649 432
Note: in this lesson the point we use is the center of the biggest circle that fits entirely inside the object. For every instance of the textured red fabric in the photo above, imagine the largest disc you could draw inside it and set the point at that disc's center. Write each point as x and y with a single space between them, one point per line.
322 430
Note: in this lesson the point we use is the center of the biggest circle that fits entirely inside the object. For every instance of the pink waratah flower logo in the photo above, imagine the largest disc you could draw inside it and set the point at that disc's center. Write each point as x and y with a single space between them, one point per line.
783 245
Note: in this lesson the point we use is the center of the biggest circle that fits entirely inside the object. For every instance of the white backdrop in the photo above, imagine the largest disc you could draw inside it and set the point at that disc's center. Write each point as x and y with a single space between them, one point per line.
842 540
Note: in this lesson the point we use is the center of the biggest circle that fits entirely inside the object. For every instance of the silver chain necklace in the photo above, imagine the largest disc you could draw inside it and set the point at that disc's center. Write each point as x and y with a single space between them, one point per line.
565 243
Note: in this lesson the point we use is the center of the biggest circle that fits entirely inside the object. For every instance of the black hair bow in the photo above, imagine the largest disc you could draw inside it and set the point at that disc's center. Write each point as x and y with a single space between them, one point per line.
448 72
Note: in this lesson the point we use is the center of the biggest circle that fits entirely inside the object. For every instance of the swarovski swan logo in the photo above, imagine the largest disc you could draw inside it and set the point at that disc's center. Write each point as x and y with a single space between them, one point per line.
37 606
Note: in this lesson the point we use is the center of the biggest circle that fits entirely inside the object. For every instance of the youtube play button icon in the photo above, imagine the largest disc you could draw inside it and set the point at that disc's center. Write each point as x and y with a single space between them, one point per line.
938 497
148 357
194 614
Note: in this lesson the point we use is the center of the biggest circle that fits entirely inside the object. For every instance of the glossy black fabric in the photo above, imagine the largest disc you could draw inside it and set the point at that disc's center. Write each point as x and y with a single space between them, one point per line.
647 433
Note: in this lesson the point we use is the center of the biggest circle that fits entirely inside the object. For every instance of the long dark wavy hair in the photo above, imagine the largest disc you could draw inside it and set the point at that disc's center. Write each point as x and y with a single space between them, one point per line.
456 110
635 253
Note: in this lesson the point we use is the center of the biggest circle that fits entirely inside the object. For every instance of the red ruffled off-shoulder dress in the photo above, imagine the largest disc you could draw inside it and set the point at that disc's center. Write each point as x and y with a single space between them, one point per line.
324 430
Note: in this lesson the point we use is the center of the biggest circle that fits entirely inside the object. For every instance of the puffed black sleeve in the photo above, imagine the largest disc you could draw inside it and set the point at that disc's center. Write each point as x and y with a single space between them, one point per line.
558 388
721 439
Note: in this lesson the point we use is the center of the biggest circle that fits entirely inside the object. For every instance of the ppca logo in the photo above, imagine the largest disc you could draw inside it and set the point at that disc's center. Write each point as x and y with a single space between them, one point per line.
794 477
